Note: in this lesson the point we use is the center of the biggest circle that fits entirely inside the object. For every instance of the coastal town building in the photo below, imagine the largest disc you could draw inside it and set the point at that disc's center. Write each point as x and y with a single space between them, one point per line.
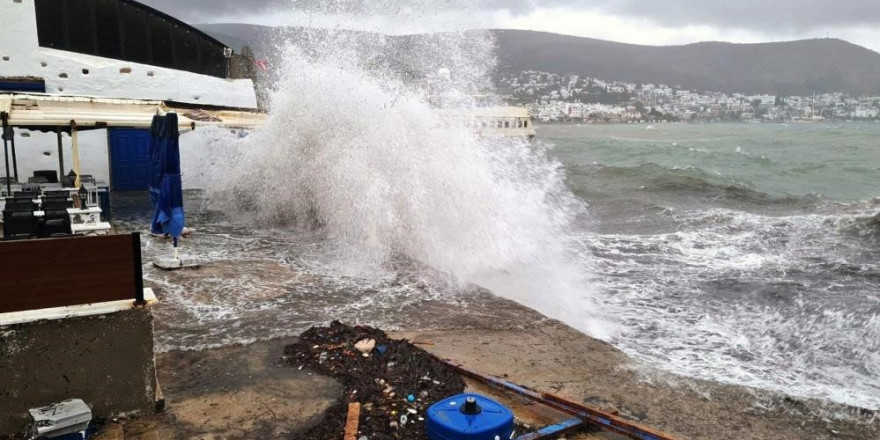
553 97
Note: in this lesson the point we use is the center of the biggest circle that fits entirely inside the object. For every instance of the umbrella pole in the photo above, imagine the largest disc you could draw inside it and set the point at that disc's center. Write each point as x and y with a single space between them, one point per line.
74 137
5 118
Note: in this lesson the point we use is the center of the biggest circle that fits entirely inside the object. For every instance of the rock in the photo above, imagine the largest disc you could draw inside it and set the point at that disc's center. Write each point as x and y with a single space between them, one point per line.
365 346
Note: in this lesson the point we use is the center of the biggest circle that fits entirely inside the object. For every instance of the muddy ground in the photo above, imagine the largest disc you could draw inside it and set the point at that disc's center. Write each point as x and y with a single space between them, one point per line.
247 392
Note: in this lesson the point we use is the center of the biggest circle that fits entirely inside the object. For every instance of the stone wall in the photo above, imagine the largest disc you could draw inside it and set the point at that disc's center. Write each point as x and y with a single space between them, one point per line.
106 360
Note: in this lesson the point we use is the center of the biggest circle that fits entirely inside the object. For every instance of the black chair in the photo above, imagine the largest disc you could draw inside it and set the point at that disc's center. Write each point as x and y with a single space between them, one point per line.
51 176
26 194
57 193
38 179
19 225
56 223
20 206
20 199
56 205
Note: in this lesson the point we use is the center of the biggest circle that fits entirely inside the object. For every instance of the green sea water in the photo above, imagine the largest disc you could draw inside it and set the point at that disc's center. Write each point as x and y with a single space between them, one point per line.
742 253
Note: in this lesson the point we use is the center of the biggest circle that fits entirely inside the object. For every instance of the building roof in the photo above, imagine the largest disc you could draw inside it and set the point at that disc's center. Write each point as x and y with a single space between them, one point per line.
176 21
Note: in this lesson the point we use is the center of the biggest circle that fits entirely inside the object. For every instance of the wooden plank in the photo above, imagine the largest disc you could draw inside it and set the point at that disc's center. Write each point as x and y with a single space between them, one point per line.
40 274
352 421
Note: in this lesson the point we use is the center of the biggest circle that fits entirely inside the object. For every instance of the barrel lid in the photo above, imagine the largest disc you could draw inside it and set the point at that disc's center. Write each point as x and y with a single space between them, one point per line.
447 420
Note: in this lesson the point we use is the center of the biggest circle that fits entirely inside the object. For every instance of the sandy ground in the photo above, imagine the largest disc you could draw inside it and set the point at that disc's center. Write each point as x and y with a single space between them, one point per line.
244 393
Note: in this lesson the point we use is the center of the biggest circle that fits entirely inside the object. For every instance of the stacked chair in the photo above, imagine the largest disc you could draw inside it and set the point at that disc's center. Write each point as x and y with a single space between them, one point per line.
21 222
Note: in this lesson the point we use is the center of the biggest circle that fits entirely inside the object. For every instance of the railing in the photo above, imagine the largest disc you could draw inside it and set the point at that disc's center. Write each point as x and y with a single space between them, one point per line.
42 274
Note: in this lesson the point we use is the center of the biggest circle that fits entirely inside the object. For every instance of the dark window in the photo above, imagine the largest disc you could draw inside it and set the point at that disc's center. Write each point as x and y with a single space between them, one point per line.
506 124
186 49
163 54
526 124
50 23
81 27
213 60
134 31
107 20
127 30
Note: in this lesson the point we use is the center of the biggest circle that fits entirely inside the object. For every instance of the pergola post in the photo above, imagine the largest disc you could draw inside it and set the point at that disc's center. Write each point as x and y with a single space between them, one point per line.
5 119
60 155
14 158
74 138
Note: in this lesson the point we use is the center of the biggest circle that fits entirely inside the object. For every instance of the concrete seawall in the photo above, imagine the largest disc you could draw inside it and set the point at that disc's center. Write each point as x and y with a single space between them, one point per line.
106 360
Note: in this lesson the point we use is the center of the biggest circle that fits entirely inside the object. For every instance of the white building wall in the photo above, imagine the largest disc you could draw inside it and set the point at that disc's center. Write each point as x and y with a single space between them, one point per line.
79 74
200 151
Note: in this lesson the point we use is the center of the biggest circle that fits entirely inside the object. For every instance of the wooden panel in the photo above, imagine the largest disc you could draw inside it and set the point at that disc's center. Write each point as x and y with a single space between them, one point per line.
40 274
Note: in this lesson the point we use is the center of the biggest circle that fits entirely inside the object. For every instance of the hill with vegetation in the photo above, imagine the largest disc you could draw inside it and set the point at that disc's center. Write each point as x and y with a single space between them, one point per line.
785 68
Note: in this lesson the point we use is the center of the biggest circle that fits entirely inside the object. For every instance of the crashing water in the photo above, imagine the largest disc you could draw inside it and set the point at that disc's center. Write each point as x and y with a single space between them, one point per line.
358 199
361 157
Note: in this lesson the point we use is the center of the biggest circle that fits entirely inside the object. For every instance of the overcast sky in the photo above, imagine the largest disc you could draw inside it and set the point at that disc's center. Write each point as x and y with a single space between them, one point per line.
631 21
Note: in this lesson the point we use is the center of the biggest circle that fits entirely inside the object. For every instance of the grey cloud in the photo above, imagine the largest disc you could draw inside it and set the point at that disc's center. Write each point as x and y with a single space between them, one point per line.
198 11
763 15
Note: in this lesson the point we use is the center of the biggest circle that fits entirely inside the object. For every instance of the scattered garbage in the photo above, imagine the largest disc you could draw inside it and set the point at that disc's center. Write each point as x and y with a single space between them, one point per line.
469 417
366 346
395 384
68 420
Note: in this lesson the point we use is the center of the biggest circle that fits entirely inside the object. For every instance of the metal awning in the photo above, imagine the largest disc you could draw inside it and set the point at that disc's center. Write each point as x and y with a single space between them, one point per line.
34 111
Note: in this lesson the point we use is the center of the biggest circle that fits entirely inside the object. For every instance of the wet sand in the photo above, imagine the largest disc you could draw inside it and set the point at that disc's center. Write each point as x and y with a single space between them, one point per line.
243 392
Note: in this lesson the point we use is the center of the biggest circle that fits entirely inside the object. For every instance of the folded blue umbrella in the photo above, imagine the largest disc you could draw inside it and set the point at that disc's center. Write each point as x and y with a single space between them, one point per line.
156 166
169 218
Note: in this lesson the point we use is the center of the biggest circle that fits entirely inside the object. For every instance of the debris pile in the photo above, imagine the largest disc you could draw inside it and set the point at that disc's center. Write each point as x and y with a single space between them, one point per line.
394 381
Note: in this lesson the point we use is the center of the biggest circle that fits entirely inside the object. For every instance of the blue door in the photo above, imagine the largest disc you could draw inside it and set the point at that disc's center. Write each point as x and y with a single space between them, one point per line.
130 157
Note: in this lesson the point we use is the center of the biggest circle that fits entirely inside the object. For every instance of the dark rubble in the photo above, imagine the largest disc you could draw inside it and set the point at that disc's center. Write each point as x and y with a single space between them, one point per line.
382 381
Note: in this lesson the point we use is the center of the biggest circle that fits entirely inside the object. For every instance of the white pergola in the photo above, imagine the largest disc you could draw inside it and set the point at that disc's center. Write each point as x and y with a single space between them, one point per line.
76 113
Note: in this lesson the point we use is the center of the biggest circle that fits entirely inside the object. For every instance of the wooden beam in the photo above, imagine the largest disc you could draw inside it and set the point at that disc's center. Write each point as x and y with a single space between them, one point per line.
352 421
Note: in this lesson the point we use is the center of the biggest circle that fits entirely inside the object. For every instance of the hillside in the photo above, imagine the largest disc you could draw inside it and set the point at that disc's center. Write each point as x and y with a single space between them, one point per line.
785 68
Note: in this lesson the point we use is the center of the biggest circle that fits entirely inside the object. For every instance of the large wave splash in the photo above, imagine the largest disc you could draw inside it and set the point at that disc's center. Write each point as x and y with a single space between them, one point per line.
354 151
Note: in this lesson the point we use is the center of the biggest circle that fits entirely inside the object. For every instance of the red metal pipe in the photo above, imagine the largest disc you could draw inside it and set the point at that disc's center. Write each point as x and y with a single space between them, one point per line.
592 416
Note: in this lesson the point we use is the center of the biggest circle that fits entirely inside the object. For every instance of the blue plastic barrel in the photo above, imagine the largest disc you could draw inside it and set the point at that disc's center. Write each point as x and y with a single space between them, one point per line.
469 417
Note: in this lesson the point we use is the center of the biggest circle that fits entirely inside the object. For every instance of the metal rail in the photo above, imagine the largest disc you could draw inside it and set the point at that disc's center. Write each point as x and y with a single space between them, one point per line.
588 415
554 431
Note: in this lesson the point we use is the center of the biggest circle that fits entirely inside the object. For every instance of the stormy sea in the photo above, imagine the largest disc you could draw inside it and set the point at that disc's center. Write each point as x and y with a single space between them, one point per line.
740 253
745 254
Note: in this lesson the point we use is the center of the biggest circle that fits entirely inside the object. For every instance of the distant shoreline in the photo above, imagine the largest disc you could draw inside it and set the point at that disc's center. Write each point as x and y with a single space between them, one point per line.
539 123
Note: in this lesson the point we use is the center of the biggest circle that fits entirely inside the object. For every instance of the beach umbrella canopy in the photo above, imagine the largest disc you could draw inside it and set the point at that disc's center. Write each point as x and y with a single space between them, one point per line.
169 218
